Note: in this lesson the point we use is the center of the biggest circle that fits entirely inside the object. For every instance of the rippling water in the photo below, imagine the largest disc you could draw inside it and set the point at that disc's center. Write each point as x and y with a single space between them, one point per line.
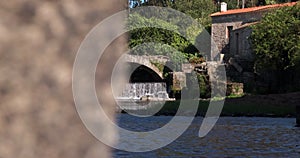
231 137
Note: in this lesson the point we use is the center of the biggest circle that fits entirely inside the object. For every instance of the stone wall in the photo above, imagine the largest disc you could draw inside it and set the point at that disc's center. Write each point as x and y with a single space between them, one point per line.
231 33
218 35
220 24
240 45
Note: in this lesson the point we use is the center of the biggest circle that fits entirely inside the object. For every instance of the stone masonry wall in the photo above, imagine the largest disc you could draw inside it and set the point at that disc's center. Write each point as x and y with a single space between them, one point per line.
235 45
220 23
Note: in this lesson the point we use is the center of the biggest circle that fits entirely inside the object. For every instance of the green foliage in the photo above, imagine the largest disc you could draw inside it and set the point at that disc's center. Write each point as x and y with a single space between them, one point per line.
269 2
160 30
231 4
201 9
157 64
156 33
161 37
235 95
236 4
195 58
276 39
204 85
237 107
161 3
198 9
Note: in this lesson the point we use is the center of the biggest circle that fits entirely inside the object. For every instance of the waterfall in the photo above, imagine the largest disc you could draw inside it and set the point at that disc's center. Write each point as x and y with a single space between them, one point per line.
137 90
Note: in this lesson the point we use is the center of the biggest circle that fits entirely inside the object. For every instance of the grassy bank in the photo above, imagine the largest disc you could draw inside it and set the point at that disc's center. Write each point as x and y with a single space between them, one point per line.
271 105
232 108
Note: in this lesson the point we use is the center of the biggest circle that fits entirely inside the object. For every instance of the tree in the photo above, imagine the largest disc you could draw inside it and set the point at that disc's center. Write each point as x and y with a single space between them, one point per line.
158 41
276 41
198 9
161 3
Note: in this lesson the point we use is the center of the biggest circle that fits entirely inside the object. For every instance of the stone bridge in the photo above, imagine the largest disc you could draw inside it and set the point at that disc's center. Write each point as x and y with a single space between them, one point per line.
151 67
148 61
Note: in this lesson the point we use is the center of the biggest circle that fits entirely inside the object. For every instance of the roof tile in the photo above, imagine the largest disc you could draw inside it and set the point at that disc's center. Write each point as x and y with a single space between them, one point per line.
252 9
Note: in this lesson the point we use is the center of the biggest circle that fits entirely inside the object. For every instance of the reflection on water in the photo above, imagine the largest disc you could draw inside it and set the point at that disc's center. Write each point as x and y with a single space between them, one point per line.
231 137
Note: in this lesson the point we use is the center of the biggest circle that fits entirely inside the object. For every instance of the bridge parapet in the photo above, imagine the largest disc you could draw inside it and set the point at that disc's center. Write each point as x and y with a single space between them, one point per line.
143 58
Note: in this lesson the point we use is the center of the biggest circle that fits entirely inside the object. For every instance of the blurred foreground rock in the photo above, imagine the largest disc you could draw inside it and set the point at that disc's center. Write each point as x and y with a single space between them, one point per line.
39 40
298 115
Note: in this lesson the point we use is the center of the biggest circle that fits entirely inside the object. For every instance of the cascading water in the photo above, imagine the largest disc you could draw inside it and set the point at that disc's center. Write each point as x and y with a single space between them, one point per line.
138 90
143 99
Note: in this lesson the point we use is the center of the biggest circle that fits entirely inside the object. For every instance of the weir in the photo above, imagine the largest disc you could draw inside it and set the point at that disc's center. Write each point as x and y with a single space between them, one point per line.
138 90
143 99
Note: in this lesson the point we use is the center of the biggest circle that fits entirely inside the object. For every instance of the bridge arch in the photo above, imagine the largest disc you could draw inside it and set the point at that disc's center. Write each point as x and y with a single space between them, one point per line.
144 73
146 65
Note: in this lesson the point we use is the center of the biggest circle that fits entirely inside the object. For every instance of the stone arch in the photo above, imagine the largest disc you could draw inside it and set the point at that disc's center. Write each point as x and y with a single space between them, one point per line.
146 61
143 74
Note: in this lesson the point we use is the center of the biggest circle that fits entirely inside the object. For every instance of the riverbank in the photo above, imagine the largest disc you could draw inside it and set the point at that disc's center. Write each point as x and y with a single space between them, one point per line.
272 105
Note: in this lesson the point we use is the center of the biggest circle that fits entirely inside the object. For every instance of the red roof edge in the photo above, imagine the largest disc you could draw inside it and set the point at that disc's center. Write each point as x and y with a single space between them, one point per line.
252 9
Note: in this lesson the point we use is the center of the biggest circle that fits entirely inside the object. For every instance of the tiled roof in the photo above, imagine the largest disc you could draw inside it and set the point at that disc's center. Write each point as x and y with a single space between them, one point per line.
252 9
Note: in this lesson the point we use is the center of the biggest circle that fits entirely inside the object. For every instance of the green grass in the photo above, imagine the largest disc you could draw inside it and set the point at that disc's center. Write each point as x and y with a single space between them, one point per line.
234 109
248 109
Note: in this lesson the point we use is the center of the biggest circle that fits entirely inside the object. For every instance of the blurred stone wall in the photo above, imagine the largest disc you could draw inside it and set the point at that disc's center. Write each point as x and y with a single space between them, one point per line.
38 43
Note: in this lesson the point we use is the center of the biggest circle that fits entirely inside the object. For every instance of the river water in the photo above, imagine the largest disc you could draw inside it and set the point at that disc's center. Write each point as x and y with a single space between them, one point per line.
231 137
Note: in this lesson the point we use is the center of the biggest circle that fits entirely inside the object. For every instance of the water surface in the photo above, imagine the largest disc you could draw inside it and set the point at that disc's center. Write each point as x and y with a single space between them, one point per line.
231 137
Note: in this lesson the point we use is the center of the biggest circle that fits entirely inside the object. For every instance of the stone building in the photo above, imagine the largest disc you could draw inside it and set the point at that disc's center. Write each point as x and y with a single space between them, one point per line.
230 35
